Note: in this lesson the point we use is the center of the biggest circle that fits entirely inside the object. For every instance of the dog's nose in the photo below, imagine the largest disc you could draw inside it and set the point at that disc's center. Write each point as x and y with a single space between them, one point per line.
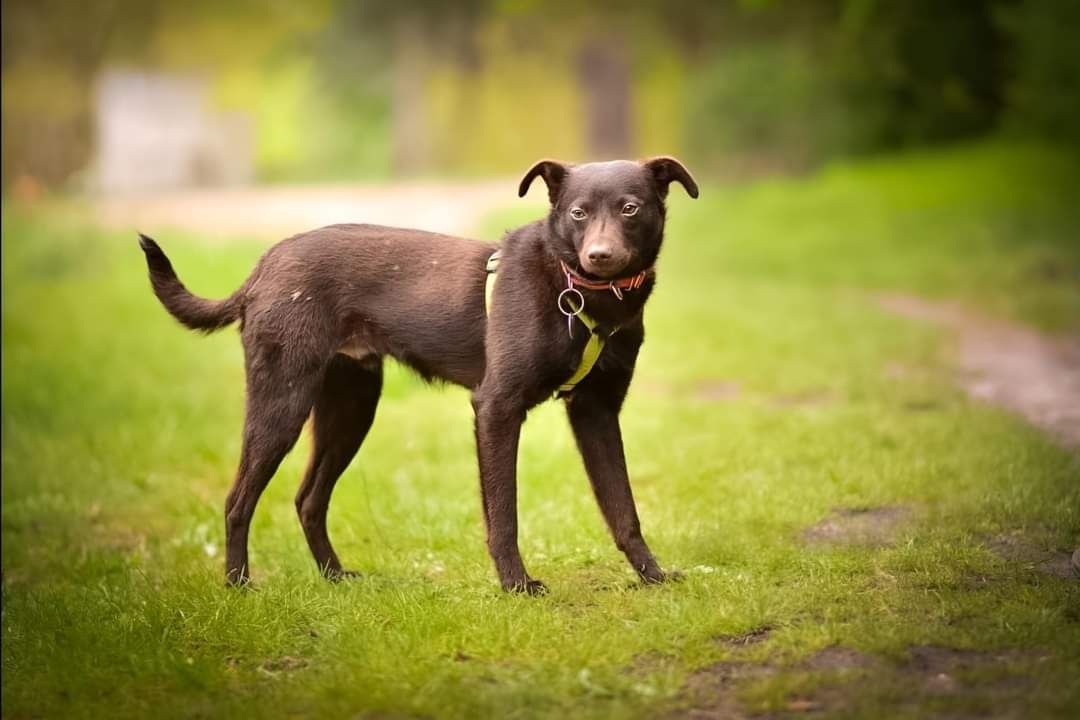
600 254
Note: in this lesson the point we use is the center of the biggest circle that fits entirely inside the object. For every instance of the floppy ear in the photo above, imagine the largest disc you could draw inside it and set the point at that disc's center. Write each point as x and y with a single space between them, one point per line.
666 170
553 172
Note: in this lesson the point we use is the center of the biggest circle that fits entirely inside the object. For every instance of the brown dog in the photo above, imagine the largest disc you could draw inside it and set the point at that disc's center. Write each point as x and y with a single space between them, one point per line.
322 309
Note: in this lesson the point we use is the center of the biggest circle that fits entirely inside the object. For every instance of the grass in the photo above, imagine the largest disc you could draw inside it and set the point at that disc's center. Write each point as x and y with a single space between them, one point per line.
121 430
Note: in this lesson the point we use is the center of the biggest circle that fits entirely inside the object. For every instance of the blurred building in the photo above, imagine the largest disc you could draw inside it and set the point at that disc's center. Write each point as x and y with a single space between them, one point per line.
157 131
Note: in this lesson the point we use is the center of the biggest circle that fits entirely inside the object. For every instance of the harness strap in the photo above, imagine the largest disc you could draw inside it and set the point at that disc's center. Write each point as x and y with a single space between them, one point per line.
593 347
489 284
589 355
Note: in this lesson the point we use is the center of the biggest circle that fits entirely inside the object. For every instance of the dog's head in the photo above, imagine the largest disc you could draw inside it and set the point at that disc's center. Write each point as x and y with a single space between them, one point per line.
608 218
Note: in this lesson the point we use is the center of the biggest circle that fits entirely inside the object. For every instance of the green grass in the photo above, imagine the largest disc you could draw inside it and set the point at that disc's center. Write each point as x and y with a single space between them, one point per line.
121 430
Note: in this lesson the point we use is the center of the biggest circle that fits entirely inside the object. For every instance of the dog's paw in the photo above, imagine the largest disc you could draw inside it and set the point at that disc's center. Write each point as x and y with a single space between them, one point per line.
240 584
528 587
673 576
336 576
658 577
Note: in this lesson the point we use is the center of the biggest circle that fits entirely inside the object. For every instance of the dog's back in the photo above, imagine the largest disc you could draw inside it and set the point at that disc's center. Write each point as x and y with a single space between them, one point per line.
355 289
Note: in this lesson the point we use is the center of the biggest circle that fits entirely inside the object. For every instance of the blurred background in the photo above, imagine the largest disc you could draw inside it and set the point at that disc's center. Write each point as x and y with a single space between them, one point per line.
131 96
874 304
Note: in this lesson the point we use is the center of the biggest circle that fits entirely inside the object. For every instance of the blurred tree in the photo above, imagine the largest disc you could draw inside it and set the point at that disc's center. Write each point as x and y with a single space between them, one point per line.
792 83
256 58
348 88
1043 91
54 50
51 52
393 46
603 69
761 98
919 71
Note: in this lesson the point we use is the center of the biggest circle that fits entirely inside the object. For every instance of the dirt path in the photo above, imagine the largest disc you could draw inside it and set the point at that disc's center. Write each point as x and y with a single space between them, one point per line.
1032 374
446 207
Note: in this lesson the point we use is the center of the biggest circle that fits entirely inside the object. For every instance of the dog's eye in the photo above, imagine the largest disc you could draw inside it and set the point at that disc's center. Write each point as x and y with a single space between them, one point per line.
629 209
577 213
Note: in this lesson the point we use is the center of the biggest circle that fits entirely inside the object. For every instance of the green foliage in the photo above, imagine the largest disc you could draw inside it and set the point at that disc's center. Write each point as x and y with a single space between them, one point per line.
798 83
348 89
121 431
1044 93
789 122
919 71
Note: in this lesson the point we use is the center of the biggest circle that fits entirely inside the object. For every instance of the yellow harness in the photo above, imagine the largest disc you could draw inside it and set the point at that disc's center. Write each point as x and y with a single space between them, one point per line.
593 347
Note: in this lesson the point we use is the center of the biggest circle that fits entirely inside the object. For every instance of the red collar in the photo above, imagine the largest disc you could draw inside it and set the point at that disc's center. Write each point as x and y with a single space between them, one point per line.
616 286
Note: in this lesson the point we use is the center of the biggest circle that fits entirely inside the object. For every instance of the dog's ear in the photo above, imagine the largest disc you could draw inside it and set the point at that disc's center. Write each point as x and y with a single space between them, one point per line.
553 172
666 170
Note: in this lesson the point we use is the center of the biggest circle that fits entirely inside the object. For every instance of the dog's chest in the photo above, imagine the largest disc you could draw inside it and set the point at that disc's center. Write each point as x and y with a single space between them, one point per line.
357 349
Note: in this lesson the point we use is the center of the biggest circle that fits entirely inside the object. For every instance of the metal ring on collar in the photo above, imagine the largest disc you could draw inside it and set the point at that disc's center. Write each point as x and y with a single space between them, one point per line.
573 311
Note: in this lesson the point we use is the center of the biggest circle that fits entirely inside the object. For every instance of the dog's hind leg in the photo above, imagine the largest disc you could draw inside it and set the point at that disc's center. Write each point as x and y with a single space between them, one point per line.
344 410
280 393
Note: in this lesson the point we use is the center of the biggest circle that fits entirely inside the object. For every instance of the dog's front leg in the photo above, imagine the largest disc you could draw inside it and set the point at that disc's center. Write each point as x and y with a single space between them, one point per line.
498 428
595 422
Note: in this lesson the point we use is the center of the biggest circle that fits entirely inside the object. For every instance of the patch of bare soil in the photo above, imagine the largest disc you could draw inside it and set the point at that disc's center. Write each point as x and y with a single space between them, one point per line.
930 671
751 637
649 663
1015 547
945 671
871 527
710 693
283 664
1027 372
933 660
837 658
709 390
806 398
838 665
717 390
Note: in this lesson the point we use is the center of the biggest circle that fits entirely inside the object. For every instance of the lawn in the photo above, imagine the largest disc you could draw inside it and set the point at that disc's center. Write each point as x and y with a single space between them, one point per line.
773 393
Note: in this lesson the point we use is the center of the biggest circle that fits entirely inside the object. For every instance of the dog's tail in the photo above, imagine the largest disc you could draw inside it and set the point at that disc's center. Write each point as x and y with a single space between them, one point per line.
192 311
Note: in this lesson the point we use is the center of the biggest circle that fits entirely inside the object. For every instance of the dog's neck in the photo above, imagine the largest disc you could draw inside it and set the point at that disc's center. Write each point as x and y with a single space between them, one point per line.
609 309
580 282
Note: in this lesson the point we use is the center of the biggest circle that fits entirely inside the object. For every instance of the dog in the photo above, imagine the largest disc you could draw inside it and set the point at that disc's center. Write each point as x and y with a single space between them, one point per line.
322 309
